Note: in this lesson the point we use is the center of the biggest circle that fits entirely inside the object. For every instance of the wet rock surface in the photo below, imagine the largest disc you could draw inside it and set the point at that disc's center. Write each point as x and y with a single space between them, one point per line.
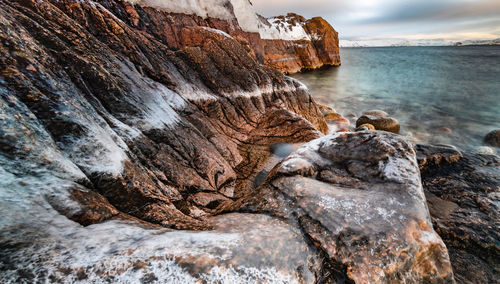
124 115
241 248
463 193
380 122
104 119
493 138
359 199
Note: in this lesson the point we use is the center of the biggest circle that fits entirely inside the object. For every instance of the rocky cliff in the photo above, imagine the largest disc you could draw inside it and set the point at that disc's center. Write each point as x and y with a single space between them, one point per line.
286 43
139 144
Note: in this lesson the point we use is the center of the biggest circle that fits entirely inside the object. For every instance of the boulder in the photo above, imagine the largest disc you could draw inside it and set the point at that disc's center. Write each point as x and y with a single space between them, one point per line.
380 123
358 198
365 126
331 116
493 138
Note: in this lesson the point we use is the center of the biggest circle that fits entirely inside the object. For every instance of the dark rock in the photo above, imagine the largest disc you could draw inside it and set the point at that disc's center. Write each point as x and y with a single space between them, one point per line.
462 191
381 123
493 138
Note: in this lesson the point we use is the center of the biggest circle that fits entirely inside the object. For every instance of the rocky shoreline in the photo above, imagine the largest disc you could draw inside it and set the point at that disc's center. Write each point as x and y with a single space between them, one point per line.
144 145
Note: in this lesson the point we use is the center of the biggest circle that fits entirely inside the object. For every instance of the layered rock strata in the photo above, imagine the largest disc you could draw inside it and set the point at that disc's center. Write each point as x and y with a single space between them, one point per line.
288 43
131 140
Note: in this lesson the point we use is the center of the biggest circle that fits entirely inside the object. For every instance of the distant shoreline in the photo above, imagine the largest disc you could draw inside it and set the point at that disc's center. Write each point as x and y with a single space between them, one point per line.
385 46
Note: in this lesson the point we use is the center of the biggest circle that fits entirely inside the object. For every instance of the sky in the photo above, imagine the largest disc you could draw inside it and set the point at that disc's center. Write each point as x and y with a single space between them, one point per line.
397 20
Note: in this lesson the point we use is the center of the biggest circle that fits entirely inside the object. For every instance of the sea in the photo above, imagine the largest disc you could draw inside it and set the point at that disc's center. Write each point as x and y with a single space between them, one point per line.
440 95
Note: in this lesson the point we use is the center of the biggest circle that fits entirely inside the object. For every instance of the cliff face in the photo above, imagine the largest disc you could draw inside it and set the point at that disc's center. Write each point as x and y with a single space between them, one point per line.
133 142
145 125
288 44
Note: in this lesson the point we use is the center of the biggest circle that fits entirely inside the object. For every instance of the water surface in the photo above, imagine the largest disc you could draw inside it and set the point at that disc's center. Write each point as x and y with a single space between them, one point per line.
427 89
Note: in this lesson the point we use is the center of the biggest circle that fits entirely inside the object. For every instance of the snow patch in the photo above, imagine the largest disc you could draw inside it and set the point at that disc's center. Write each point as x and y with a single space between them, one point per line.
283 29
100 150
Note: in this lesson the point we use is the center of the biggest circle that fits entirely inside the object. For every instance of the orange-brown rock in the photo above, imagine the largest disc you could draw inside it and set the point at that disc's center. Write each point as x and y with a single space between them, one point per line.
293 56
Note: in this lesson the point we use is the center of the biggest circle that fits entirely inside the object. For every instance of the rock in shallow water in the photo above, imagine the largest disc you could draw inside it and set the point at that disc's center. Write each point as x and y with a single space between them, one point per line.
365 126
493 138
381 123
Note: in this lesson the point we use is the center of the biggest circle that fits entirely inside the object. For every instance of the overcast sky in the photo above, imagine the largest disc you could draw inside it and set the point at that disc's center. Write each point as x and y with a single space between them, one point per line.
397 19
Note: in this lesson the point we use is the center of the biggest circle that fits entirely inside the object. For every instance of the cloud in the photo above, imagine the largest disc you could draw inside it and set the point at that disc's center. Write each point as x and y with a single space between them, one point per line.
445 10
364 19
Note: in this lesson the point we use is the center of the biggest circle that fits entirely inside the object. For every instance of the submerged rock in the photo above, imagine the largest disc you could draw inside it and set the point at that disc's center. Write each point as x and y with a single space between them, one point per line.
493 138
358 197
381 123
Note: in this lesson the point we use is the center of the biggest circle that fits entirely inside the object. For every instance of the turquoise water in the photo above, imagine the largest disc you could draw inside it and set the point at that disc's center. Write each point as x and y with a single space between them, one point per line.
426 88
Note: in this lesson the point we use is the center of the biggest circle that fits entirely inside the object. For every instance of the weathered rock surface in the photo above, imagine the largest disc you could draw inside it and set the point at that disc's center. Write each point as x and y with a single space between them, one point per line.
286 43
117 122
131 119
121 123
359 199
320 48
242 248
463 193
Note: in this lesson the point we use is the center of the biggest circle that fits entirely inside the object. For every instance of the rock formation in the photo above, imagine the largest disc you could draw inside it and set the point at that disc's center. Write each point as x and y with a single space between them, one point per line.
286 43
135 142
358 198
463 193
493 138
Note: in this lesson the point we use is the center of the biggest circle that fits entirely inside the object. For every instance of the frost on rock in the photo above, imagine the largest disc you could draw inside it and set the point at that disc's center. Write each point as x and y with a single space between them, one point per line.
124 252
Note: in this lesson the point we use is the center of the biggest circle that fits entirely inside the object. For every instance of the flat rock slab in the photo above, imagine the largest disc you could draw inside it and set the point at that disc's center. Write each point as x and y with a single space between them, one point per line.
242 248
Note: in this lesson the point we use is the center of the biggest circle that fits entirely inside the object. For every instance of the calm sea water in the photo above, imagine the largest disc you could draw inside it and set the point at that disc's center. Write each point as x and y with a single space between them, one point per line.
426 88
